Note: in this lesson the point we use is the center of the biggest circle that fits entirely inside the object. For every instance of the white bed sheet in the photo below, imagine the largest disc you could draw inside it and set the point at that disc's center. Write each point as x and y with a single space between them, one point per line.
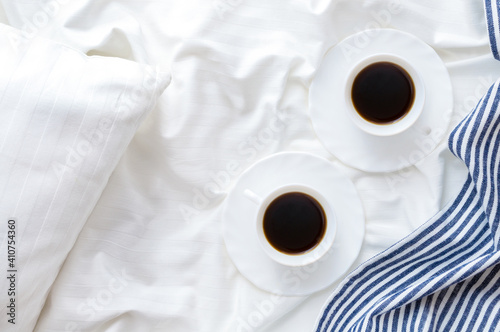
151 256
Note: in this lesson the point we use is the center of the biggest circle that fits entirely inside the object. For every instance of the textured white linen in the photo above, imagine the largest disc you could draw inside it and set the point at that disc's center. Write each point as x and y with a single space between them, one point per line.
65 121
151 256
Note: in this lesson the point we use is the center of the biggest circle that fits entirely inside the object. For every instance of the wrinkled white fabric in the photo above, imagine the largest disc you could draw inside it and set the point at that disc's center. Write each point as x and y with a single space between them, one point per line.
151 256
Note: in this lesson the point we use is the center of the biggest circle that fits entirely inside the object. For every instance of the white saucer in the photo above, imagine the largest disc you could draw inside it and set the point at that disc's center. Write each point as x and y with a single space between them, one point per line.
357 148
239 230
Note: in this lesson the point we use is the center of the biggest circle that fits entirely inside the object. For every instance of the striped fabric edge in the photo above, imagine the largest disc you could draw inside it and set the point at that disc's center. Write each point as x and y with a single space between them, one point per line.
480 153
408 284
492 9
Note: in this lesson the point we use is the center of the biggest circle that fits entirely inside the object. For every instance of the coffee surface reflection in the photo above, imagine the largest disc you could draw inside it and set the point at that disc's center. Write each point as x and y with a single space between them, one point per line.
294 223
382 92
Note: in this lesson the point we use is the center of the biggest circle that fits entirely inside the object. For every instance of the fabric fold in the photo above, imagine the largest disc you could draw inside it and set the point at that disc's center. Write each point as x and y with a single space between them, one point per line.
492 21
476 142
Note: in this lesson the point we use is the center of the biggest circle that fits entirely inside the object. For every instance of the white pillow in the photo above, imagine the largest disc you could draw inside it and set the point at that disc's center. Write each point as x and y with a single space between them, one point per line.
65 120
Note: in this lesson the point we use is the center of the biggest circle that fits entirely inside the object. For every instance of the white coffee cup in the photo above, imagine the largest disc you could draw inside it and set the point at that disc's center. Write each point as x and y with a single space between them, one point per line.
402 123
310 256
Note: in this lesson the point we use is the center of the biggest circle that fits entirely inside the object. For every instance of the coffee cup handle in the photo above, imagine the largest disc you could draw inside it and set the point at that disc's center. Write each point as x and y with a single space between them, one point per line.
252 196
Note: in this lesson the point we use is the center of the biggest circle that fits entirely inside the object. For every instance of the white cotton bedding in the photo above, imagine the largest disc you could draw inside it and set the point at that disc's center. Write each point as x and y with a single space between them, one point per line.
140 247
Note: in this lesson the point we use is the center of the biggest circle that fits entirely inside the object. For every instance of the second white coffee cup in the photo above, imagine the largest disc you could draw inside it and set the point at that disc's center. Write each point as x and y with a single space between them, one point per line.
307 257
404 122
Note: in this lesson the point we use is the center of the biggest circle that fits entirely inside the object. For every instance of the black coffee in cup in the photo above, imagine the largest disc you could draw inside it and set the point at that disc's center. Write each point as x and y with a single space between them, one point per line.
294 223
382 92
